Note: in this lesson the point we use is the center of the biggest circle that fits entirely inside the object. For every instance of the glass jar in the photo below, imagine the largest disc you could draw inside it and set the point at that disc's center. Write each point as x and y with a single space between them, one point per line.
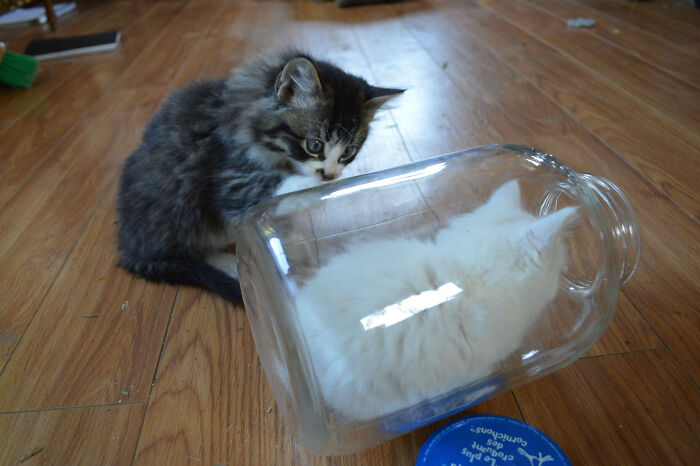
387 301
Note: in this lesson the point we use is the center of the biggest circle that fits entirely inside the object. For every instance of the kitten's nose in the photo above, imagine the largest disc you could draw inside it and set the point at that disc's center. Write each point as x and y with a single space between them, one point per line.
325 177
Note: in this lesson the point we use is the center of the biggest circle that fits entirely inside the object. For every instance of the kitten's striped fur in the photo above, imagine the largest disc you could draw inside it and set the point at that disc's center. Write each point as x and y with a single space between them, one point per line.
218 147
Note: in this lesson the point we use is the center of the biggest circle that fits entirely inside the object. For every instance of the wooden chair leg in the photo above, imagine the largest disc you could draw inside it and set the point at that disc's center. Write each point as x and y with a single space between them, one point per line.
50 14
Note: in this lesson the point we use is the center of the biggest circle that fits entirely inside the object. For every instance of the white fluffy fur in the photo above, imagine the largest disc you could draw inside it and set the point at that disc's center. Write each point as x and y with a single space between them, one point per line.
507 264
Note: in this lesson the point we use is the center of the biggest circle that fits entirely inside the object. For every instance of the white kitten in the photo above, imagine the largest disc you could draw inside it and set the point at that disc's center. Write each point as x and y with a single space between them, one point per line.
412 320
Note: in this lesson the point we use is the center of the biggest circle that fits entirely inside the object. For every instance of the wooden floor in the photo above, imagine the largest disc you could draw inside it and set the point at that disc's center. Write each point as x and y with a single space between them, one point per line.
98 367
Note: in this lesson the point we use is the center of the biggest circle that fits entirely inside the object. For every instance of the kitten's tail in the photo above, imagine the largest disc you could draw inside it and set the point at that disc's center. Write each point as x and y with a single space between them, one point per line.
184 272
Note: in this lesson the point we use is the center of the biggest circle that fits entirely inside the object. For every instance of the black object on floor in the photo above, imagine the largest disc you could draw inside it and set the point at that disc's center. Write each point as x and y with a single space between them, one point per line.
61 47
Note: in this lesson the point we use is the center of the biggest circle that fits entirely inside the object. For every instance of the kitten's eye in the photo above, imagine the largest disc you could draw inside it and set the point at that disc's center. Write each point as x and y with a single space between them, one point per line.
348 153
314 145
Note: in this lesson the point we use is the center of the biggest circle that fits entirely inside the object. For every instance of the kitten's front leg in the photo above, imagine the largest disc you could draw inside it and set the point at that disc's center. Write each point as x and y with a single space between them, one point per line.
292 184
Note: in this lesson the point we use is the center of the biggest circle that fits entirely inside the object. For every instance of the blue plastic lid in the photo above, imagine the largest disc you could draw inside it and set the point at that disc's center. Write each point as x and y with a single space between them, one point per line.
492 441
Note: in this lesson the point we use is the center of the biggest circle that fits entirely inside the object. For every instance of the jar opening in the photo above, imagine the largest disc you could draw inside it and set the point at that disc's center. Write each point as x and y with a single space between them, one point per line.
623 223
585 270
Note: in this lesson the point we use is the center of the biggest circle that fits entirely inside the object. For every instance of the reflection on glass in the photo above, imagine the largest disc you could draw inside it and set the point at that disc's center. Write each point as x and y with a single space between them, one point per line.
431 170
535 159
410 306
529 355
280 256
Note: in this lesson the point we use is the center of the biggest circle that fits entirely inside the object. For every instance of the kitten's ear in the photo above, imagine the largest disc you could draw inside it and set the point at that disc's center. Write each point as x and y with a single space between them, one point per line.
298 84
539 234
375 97
505 198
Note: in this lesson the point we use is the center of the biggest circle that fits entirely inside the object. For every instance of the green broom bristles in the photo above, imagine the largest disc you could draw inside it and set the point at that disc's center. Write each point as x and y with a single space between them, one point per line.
17 70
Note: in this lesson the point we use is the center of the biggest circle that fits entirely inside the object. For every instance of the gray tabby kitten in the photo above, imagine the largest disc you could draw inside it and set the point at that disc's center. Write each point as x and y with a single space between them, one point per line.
219 147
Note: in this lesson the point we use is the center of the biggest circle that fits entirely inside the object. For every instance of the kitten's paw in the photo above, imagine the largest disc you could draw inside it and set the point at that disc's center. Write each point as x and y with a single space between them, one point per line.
299 201
292 204
297 183
226 262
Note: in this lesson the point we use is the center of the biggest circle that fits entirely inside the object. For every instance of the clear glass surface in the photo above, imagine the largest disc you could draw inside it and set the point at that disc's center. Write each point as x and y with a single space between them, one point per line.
387 301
